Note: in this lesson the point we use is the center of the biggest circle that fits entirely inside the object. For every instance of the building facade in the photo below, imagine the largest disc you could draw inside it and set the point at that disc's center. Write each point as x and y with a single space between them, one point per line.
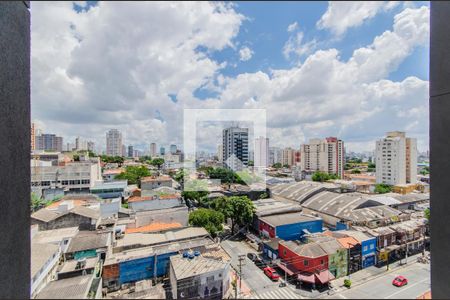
235 148
114 143
130 151
49 142
261 153
275 155
33 137
153 149
396 159
325 155
173 149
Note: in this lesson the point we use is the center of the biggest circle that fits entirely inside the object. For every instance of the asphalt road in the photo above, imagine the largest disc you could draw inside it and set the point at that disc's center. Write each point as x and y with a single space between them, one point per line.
418 276
251 274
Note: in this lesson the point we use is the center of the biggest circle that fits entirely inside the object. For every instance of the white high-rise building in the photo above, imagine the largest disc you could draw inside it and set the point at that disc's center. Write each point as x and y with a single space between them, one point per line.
235 148
261 153
220 153
396 159
153 149
81 144
114 143
325 155
275 155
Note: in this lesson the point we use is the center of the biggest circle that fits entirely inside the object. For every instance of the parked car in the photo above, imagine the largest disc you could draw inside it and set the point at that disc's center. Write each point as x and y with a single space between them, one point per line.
400 281
252 256
260 263
271 273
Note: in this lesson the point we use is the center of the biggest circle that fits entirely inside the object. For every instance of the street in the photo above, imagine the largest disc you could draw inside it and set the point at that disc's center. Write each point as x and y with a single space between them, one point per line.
418 276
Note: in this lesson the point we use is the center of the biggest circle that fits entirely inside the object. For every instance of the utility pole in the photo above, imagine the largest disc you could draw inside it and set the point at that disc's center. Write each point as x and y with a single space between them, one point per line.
241 258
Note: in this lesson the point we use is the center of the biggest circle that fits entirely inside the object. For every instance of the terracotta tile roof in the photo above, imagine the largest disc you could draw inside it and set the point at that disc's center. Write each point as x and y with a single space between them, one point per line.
113 171
139 199
154 178
170 196
154 227
77 202
347 242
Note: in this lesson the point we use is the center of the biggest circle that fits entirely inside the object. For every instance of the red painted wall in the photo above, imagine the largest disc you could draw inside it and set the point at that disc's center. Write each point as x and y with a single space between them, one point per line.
268 228
296 261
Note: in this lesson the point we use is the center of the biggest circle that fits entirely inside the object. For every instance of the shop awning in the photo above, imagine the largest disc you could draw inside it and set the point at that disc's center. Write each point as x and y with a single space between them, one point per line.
306 278
324 276
288 271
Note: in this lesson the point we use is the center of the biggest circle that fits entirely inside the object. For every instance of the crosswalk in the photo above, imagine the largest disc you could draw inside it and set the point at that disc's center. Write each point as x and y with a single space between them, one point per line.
281 293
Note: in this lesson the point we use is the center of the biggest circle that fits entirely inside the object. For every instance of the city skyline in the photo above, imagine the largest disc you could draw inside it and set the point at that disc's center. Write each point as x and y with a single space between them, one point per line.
367 85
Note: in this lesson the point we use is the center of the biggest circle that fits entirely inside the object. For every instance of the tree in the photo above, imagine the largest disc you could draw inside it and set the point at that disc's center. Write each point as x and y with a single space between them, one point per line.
251 163
225 175
239 209
382 188
158 162
320 176
285 166
145 159
427 214
277 165
356 171
209 219
134 174
179 176
76 157
371 166
36 202
263 196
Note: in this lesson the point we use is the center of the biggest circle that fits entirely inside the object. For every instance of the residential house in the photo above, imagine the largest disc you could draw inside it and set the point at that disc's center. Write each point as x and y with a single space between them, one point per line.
353 248
145 203
153 182
66 215
270 248
337 254
79 287
88 244
368 246
193 276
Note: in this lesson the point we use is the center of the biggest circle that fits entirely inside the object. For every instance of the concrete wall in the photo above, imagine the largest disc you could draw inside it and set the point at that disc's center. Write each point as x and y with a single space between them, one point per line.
176 214
15 146
154 204
69 220
439 148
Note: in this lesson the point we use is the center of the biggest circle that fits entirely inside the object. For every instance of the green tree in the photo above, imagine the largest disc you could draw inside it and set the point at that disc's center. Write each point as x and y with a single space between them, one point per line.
320 176
134 174
36 202
239 209
427 214
382 188
285 166
251 163
225 175
371 166
76 157
158 162
209 219
263 196
356 171
277 165
179 176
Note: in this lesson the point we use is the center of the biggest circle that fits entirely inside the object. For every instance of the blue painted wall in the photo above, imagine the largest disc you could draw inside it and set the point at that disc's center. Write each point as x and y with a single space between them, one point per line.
266 248
340 226
143 268
292 232
368 251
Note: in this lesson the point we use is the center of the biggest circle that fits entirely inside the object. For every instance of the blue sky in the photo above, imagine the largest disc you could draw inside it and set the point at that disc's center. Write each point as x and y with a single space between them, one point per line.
354 70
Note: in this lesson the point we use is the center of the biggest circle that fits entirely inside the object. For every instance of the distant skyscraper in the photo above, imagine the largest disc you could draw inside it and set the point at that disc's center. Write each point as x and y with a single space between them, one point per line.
287 156
130 151
396 159
80 144
153 149
124 150
33 137
162 150
114 143
235 147
261 154
220 153
325 155
173 149
275 155
49 142
90 146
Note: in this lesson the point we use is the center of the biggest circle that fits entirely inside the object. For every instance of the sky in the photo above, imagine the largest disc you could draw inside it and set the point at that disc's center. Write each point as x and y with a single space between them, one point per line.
354 70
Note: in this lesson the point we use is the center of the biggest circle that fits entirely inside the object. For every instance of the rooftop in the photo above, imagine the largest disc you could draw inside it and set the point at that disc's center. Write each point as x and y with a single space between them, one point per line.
185 267
54 236
87 240
307 250
156 226
116 184
47 215
156 178
70 288
298 191
40 255
71 265
155 197
288 218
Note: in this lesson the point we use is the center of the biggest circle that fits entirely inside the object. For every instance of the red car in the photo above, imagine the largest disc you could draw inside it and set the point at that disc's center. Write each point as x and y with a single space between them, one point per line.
400 281
271 273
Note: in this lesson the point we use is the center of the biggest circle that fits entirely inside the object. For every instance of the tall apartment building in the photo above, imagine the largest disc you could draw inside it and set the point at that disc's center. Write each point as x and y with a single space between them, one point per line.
220 153
325 155
275 155
162 151
90 146
235 144
396 159
33 137
287 156
173 149
130 151
81 144
153 149
49 142
114 143
261 152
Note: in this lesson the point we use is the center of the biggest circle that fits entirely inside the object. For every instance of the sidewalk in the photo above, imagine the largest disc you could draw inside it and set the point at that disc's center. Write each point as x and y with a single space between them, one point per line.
244 292
370 273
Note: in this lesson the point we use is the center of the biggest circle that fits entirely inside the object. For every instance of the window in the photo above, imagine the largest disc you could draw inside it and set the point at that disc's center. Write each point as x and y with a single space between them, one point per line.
371 247
305 263
365 248
322 261
284 252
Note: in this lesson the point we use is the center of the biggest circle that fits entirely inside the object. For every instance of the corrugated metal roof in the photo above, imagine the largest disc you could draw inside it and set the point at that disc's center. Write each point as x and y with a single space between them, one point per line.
70 288
185 267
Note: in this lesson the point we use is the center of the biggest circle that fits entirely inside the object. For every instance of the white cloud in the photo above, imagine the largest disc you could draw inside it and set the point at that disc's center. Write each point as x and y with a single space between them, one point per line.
295 46
292 27
340 16
245 53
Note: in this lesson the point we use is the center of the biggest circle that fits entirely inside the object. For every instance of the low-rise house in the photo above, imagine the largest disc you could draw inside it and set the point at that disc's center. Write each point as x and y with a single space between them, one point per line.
193 276
353 248
270 248
178 214
337 254
270 206
309 261
44 261
79 267
110 189
79 287
153 182
386 241
64 216
368 246
110 174
289 226
144 203
88 244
